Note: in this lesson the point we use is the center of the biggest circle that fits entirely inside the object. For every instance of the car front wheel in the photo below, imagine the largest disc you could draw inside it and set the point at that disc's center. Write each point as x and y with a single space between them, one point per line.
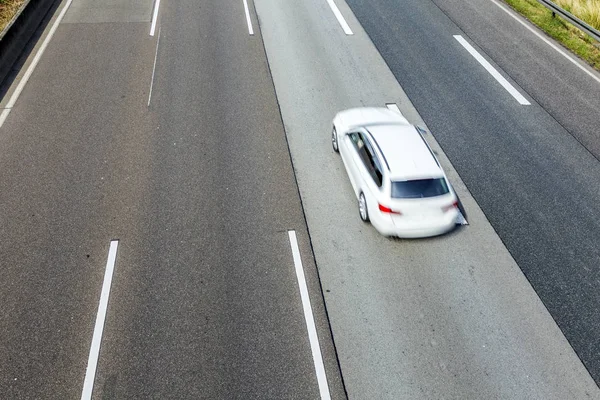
334 141
362 208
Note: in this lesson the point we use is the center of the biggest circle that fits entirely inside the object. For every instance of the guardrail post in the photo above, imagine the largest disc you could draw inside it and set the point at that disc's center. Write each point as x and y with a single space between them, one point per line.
584 26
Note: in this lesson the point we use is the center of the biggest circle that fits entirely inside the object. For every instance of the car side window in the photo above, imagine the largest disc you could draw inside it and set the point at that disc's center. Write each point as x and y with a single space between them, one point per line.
378 171
370 160
355 139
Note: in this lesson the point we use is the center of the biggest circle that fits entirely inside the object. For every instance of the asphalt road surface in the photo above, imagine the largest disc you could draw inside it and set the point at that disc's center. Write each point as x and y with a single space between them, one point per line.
534 170
199 190
196 134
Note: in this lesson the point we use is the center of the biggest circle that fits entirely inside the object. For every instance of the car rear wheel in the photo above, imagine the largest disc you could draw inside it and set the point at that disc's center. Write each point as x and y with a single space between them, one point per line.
362 208
334 141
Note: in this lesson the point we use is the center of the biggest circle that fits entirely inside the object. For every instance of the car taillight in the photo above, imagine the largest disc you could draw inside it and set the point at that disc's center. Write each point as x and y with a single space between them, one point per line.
388 210
450 206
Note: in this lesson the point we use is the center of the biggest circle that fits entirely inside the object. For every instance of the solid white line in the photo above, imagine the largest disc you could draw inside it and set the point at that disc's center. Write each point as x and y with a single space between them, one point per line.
509 88
3 116
36 59
340 17
310 322
248 20
154 17
154 67
548 42
90 373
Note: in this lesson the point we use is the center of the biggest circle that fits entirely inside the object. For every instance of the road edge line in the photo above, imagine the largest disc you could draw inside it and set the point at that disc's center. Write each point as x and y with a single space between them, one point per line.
36 59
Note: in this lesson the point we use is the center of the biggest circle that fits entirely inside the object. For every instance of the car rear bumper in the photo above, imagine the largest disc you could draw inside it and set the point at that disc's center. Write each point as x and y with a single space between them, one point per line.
386 227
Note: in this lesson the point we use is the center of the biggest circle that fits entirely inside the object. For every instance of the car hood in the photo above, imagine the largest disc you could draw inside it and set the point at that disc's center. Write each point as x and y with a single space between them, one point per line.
366 116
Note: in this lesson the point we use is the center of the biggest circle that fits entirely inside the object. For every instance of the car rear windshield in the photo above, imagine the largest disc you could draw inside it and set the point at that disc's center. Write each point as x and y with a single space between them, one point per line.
419 188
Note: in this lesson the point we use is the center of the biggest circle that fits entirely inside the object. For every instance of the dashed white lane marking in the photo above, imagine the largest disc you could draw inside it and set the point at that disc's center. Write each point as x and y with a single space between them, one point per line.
90 373
248 20
340 18
460 219
501 80
310 322
154 17
36 59
393 107
154 67
548 42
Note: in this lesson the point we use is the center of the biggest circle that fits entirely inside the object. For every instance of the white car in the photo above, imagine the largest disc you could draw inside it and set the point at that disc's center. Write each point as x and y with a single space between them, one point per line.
399 183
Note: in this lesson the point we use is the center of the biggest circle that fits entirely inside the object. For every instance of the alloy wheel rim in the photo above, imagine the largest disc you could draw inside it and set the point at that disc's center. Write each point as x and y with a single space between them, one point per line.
362 207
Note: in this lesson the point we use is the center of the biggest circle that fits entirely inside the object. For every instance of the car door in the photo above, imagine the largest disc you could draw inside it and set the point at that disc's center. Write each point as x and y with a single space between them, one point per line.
348 152
368 167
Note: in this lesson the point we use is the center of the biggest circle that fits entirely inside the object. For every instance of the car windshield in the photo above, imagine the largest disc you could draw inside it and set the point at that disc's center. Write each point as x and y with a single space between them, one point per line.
419 188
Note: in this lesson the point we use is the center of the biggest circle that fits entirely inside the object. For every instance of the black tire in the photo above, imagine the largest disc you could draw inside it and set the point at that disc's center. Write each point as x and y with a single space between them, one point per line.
363 210
334 141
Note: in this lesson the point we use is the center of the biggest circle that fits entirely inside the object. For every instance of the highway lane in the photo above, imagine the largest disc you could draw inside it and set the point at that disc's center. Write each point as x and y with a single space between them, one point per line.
209 305
68 183
199 190
448 317
566 92
524 165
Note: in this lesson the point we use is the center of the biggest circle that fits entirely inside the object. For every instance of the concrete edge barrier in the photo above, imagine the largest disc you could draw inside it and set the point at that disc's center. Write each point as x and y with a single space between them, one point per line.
16 35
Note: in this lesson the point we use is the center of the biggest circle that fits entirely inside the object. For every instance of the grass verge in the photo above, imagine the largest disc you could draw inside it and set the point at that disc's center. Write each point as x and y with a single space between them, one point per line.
8 9
572 38
586 10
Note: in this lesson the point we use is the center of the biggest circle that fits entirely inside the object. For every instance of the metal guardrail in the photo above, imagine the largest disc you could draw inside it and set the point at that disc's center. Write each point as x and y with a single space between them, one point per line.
590 30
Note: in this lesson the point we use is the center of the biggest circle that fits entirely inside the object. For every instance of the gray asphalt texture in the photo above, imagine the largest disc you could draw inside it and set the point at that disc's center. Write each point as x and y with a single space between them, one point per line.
198 188
445 317
525 166
200 191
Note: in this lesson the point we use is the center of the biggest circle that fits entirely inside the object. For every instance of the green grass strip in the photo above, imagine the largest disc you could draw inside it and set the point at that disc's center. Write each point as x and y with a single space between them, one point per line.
570 37
8 9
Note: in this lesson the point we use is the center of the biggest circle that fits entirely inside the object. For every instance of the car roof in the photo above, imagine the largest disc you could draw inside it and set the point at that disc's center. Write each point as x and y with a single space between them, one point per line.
406 153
